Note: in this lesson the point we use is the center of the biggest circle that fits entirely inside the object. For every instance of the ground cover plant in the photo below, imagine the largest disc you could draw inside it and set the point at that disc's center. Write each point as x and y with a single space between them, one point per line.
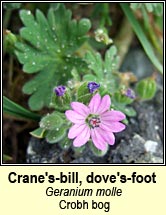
61 72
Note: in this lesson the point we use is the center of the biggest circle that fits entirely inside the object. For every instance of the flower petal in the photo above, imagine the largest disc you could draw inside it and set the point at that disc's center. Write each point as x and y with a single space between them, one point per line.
113 116
97 139
113 126
80 108
104 105
110 138
107 136
75 130
82 138
94 103
75 117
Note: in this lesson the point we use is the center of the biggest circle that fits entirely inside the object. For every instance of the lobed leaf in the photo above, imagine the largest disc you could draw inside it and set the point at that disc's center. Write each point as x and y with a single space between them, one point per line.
100 67
48 48
103 69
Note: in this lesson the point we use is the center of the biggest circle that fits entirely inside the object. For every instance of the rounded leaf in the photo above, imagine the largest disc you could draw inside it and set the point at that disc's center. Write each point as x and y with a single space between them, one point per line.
84 26
51 121
55 136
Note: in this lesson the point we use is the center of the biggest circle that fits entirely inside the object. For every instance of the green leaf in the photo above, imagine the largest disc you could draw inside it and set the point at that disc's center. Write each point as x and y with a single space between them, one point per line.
111 59
101 68
156 8
83 94
95 63
9 41
16 110
146 88
6 157
54 136
55 5
96 151
135 6
120 98
61 103
39 133
75 75
65 143
142 37
83 89
101 11
85 98
48 48
129 111
51 121
78 150
12 5
90 77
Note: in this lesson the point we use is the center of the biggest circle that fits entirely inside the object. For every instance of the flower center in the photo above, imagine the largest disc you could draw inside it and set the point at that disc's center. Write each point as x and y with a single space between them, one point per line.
93 121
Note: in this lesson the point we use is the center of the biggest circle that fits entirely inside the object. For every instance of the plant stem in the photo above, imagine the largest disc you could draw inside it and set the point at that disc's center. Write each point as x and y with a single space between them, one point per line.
123 40
6 19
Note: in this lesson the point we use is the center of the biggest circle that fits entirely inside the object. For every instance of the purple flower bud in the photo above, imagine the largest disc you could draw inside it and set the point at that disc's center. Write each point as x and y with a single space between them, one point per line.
92 86
130 93
60 90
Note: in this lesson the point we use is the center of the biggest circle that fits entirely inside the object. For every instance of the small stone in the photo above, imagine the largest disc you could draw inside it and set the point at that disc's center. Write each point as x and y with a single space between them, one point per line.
150 146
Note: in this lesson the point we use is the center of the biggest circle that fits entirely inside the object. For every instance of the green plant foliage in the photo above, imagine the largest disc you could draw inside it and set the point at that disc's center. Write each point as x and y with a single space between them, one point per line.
11 108
6 158
101 11
61 103
120 98
102 71
65 143
12 5
53 127
97 152
9 42
83 94
121 103
142 37
146 88
51 121
54 136
38 133
156 8
48 48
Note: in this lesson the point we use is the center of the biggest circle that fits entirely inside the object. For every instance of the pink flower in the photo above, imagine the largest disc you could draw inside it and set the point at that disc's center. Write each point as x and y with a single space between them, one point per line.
95 122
